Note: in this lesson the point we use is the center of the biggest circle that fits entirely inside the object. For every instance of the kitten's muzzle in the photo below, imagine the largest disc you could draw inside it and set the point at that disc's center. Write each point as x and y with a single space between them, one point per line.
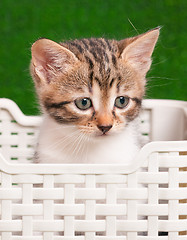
104 129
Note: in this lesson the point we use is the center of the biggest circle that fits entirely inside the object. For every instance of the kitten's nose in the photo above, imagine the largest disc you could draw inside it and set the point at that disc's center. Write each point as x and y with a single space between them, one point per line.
104 129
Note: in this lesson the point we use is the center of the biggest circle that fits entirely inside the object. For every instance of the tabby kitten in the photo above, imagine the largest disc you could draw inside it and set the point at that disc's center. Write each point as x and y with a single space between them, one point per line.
90 92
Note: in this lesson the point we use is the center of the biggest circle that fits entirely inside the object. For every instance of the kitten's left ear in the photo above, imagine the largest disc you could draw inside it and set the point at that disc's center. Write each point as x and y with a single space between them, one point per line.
49 59
137 51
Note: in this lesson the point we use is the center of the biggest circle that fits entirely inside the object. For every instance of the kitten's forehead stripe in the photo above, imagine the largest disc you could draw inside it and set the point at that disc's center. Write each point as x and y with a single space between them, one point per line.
91 65
108 45
98 54
78 46
106 57
107 74
91 42
98 81
118 83
111 83
90 81
114 61
91 76
101 43
93 52
85 44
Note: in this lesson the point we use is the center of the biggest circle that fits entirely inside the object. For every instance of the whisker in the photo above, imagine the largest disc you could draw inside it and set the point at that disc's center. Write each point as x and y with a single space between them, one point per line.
74 144
79 145
133 26
163 78
86 148
62 140
157 63
78 140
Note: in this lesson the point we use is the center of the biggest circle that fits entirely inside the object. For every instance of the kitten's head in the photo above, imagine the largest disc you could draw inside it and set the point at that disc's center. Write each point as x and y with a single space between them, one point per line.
94 84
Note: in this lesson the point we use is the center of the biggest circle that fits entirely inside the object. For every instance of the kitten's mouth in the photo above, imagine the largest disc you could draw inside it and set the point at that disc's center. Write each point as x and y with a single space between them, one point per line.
103 135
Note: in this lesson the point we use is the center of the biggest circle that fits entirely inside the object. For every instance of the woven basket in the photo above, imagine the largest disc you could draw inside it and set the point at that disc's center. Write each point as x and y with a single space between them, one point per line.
87 202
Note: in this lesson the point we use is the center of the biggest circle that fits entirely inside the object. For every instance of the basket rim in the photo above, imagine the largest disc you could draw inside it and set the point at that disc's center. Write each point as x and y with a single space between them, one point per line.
143 155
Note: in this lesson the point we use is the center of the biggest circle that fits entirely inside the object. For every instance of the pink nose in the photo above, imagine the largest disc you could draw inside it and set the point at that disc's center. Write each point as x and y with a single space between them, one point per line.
104 129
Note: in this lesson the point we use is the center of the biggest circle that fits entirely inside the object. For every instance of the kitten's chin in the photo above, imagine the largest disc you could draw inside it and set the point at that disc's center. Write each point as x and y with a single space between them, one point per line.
104 136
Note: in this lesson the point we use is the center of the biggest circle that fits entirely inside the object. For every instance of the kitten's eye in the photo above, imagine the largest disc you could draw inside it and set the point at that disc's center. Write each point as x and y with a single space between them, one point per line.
121 102
83 103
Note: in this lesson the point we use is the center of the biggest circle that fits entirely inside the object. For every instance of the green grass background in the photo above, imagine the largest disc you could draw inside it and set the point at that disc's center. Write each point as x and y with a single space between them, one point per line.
23 21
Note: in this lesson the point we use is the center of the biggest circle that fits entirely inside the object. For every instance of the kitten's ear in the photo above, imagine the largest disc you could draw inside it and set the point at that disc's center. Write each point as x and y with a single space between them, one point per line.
137 51
49 59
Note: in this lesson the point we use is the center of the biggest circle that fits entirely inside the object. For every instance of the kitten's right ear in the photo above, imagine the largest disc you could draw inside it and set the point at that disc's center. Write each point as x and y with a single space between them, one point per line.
49 59
137 51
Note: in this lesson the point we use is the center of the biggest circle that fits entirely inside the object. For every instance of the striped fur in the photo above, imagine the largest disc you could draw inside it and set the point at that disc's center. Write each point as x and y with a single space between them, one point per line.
96 51
97 69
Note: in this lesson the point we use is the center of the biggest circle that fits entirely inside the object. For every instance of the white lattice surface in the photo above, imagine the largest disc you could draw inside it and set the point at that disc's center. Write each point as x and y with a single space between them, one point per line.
87 202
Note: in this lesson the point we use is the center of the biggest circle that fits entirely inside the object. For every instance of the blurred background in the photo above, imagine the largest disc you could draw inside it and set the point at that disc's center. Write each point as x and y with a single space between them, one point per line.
23 22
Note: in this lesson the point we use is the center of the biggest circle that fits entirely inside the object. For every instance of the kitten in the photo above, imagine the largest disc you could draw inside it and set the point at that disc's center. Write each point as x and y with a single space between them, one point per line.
90 92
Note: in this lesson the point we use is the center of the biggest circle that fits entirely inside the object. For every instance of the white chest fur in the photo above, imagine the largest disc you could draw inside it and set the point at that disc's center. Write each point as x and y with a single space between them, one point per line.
64 144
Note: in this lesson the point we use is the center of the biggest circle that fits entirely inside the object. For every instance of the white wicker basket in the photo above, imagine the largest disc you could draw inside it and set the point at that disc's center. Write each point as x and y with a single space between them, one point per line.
109 202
